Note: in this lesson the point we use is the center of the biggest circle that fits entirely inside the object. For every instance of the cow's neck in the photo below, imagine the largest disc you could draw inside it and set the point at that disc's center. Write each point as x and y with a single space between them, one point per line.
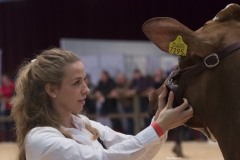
217 101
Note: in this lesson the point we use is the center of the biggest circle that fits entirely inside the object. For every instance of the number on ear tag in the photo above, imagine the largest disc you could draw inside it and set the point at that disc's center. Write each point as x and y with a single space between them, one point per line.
178 47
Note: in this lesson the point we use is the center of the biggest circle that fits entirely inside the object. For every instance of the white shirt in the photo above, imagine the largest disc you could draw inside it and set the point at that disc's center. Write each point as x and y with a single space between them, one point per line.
47 143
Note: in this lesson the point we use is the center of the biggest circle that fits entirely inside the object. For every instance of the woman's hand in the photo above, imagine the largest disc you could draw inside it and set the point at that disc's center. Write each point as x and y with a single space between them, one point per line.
161 101
168 117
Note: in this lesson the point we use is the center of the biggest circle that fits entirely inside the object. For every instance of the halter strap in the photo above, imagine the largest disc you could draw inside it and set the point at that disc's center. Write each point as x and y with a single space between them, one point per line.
210 61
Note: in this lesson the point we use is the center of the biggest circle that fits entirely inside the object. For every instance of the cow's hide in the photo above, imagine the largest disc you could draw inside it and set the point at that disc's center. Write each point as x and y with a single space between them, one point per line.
213 93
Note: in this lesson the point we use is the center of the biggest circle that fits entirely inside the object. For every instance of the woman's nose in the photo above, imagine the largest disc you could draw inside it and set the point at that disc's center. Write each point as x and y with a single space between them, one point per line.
86 90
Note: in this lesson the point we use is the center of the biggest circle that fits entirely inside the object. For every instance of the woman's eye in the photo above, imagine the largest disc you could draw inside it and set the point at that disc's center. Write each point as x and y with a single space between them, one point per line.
76 83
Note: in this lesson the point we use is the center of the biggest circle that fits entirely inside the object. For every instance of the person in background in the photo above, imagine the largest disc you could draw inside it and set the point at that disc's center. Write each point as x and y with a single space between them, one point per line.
158 79
50 92
90 105
6 93
107 99
105 85
143 88
125 98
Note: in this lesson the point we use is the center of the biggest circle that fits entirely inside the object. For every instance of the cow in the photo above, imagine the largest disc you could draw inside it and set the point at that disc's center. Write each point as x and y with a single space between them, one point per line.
214 92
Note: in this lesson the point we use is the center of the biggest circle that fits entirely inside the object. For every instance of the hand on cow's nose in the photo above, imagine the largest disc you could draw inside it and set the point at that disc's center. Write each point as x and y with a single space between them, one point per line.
161 101
170 117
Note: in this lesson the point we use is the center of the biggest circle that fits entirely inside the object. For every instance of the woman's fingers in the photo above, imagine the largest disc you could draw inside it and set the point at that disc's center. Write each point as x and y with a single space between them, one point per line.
162 97
187 114
172 117
157 113
161 101
181 121
189 111
183 106
170 100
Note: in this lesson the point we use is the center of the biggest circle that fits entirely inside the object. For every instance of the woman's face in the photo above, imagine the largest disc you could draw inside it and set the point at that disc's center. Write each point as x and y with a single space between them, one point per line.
70 97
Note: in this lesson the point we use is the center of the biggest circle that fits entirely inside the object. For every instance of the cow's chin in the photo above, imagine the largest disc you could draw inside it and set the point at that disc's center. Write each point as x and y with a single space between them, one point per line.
212 138
201 129
195 123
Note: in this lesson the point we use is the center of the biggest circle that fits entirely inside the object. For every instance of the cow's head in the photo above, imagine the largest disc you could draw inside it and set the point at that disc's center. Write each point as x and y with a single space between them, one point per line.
216 34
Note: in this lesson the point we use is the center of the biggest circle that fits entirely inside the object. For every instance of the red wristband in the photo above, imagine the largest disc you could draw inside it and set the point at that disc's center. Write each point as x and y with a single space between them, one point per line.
158 129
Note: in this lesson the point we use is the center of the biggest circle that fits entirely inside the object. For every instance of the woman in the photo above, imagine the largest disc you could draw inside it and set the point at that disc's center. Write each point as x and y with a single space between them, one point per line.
50 92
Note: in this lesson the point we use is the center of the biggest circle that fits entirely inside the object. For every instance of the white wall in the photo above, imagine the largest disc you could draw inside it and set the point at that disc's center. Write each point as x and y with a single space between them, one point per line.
118 56
92 46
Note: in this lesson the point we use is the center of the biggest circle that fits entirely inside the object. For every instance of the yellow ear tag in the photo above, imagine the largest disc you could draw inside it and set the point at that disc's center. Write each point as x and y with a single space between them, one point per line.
178 47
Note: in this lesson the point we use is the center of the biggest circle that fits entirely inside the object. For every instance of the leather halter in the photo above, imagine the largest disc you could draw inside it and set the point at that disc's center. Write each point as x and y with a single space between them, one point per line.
209 61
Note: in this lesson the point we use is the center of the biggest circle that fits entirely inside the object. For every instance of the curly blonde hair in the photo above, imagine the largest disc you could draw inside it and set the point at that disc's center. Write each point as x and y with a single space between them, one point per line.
31 104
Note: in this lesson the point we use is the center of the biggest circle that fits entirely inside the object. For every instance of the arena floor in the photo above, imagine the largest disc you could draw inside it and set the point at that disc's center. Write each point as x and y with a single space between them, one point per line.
192 150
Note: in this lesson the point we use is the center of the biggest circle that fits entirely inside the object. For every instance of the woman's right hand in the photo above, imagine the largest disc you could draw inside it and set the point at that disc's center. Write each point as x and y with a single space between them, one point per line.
169 117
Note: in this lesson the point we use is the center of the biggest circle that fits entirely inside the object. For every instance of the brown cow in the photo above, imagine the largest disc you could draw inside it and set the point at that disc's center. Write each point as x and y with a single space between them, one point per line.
214 92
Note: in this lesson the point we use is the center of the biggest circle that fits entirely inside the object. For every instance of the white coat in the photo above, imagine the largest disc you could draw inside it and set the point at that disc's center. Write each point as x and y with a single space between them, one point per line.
47 143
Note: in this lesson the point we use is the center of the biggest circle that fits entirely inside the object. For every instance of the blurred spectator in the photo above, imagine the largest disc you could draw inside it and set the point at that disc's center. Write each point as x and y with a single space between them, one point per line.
158 79
139 83
104 88
106 99
90 105
125 98
6 92
142 86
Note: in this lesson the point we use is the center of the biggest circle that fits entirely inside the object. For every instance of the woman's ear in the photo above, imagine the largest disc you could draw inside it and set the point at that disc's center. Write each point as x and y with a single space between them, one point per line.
51 90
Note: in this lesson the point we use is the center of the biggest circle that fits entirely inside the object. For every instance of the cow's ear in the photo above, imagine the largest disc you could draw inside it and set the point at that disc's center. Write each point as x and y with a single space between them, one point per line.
232 11
163 30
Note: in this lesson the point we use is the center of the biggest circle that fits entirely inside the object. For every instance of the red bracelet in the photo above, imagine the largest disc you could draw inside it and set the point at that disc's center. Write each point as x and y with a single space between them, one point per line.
158 129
